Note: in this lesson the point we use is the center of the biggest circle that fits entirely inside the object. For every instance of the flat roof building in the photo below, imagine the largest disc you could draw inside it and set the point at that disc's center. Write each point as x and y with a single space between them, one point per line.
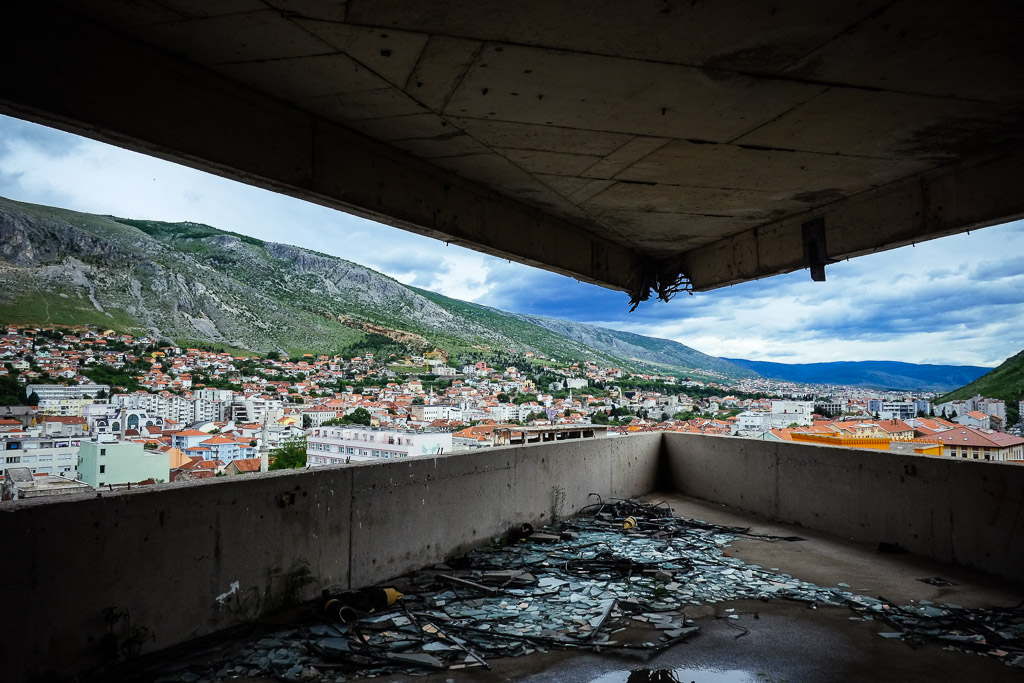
344 445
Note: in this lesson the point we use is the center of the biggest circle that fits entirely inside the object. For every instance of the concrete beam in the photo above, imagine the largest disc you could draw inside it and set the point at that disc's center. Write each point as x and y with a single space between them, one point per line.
77 75
950 200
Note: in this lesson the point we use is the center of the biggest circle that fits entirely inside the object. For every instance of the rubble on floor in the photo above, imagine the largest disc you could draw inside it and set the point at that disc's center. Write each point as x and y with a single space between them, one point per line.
621 576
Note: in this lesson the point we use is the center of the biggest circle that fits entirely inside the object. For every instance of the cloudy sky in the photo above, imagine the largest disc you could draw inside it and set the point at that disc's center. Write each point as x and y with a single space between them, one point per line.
957 300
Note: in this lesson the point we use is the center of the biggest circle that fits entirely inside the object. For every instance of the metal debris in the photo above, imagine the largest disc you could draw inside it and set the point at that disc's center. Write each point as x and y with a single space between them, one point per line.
588 583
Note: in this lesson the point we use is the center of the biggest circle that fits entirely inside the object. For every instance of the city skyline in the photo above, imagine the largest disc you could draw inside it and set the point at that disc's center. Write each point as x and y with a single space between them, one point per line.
957 300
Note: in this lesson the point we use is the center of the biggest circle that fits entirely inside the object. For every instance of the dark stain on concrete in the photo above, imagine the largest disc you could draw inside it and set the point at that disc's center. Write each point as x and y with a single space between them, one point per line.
758 58
817 197
963 137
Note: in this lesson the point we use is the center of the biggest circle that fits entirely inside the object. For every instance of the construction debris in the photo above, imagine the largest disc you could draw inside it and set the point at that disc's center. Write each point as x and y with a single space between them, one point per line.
620 576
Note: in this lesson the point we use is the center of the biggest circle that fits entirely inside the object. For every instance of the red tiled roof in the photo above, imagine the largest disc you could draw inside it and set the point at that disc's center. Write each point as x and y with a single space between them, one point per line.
969 436
219 439
247 464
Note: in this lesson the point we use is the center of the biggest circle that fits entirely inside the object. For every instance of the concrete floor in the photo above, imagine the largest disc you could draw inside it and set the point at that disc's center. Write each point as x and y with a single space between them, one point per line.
787 641
784 640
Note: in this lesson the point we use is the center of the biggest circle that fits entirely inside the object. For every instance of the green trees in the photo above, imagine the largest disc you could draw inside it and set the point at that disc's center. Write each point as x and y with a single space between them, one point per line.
11 392
289 455
104 374
359 416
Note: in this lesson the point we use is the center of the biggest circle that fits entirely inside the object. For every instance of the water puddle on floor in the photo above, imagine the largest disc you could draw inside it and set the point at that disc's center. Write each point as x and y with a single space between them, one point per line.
686 676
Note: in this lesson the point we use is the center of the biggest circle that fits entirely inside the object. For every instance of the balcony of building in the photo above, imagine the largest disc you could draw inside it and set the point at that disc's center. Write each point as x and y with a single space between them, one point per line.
651 148
172 557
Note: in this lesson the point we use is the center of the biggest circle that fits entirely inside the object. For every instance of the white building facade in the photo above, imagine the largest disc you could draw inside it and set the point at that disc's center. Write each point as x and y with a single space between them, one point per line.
42 455
348 444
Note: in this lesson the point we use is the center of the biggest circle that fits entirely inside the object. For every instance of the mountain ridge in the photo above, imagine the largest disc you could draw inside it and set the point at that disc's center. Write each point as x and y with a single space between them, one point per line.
194 283
874 374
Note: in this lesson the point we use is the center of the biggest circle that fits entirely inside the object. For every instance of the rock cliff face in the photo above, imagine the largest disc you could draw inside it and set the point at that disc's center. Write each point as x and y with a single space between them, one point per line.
193 283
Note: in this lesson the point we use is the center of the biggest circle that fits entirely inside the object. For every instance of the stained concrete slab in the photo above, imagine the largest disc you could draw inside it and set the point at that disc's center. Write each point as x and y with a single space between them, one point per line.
895 122
786 641
752 640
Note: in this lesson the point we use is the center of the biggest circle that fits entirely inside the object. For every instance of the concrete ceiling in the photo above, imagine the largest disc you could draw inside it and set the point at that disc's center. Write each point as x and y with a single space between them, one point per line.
646 145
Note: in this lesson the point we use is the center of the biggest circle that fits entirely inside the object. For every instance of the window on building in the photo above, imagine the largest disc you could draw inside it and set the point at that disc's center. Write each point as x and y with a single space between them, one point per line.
103 451
103 469
13 460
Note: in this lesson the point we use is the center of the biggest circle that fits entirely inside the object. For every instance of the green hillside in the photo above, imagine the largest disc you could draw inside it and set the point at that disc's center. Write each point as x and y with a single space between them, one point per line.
1006 382
196 284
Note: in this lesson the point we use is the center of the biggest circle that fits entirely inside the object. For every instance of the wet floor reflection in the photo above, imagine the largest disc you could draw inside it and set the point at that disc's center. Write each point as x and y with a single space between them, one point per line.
685 676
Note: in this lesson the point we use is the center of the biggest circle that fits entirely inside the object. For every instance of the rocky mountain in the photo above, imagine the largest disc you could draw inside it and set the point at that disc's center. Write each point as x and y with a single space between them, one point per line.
872 373
196 284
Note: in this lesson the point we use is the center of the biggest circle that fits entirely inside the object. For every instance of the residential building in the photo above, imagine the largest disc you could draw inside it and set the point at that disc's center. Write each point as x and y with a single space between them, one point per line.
243 466
789 412
222 447
974 418
342 445
892 410
832 407
255 409
319 414
436 411
188 438
989 406
897 430
71 407
979 444
783 414
59 425
104 463
179 408
41 455
59 391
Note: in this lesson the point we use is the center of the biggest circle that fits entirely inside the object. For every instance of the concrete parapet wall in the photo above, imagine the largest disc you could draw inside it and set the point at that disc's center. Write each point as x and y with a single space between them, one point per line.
160 557
966 512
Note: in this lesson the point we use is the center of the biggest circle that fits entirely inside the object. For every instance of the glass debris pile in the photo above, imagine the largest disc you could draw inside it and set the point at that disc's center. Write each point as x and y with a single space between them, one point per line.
620 576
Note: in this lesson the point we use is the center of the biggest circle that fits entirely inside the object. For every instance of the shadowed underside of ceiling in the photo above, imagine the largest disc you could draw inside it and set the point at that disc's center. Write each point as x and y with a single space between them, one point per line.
648 146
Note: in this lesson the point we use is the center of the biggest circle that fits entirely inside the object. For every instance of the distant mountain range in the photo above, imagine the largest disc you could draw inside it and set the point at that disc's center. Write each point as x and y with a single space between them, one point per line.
871 373
192 283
